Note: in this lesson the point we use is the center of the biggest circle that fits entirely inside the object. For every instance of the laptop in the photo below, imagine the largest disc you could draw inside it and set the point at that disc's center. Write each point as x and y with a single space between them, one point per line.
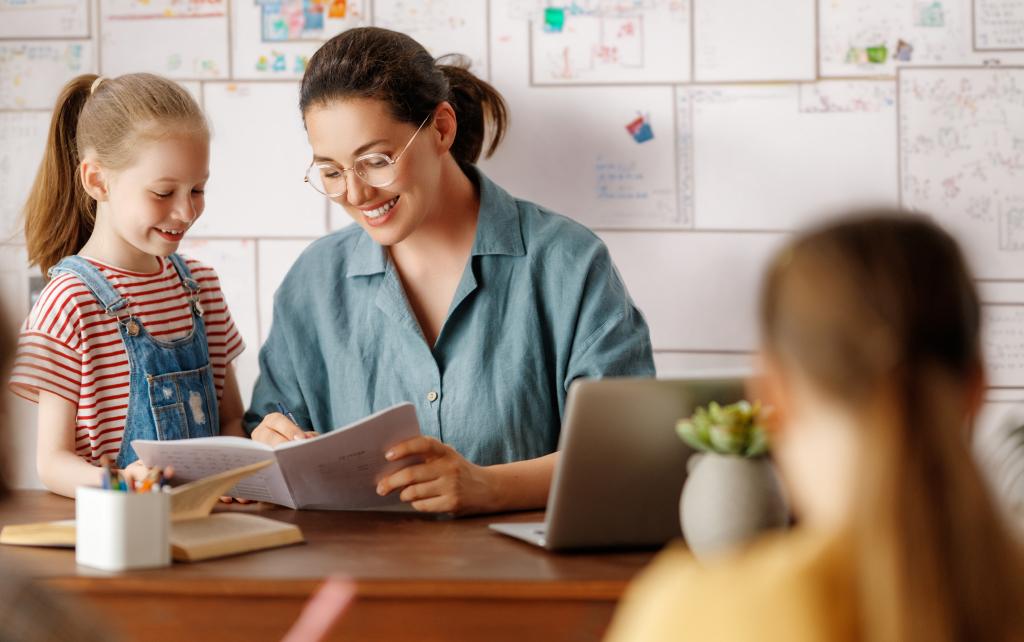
622 465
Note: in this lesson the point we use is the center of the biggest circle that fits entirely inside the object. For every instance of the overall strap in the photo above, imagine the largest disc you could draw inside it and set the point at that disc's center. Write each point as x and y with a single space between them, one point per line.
186 279
108 297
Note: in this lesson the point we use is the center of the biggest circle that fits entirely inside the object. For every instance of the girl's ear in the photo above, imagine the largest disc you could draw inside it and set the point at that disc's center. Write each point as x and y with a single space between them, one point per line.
444 126
94 179
770 388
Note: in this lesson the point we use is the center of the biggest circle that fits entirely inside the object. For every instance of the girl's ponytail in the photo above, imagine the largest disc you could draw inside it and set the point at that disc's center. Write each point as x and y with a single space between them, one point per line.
59 215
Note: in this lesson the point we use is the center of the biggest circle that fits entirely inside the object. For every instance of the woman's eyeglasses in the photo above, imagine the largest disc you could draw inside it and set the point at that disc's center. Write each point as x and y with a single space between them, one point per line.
374 169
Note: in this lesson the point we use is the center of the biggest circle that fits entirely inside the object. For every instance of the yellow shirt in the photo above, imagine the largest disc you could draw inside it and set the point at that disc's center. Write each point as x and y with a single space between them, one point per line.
795 586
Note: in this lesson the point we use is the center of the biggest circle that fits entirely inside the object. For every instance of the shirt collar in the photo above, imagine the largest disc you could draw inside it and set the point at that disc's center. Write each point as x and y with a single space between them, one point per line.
497 227
498 231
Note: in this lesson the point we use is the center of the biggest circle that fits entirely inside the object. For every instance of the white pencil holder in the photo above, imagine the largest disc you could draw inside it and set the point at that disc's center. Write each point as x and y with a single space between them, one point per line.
116 531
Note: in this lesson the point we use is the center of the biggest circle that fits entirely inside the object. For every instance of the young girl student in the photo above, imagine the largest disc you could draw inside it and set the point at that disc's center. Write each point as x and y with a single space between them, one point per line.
128 340
870 339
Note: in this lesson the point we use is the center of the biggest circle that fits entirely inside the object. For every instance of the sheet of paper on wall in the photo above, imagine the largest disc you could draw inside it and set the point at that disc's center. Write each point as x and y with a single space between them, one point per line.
174 39
338 470
998 25
44 18
249 119
607 43
22 139
771 138
740 40
33 72
441 26
275 38
960 150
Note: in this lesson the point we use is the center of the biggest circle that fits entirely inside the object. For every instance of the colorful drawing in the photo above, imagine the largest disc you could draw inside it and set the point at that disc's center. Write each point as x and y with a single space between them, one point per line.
904 50
284 20
878 54
924 32
929 14
554 20
277 62
640 129
599 41
337 9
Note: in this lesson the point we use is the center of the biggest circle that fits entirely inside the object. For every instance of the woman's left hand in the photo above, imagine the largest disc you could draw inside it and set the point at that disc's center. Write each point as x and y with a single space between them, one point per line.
444 483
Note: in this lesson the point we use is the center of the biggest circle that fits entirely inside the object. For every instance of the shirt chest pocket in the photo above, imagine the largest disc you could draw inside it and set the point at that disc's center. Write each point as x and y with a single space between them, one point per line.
184 404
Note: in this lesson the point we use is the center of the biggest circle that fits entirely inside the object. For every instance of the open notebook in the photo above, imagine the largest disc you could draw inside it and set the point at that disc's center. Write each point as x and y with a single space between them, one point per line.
196 534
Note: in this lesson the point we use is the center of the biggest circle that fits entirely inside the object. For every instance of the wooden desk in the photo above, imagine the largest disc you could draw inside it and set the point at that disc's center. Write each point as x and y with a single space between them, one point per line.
418 578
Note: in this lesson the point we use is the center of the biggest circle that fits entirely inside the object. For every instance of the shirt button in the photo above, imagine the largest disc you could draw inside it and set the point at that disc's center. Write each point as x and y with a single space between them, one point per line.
431 396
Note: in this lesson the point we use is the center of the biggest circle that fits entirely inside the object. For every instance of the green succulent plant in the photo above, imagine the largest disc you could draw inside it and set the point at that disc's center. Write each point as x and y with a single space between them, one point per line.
727 430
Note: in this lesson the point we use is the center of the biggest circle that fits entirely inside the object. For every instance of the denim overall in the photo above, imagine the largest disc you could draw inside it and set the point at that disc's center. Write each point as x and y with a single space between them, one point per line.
171 390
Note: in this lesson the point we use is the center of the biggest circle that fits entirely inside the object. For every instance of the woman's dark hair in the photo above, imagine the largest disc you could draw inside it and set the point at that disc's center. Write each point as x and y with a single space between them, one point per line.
385 65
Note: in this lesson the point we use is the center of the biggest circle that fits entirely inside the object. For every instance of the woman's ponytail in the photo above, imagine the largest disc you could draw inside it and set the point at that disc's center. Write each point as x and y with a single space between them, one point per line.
478 107
59 215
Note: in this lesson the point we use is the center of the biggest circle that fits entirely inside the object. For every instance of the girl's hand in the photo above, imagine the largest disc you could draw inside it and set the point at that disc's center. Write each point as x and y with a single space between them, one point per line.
276 429
135 472
444 483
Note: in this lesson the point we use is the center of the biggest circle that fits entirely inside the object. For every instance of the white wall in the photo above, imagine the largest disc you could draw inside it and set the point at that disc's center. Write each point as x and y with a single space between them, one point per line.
764 116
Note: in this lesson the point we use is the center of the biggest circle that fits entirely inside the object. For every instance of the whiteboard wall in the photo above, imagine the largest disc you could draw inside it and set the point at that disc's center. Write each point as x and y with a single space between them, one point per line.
692 135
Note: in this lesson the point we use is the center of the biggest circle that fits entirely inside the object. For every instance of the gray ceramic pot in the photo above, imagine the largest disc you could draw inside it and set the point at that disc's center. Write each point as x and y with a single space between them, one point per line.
727 500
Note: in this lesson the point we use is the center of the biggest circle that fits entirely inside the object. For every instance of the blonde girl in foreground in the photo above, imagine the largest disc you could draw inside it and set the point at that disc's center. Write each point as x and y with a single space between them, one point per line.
870 341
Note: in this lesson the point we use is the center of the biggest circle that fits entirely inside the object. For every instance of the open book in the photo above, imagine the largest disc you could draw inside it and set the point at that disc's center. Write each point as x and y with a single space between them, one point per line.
338 470
196 534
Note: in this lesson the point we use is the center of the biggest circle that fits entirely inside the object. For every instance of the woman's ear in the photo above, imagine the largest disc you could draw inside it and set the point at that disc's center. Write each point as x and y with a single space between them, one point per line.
444 127
94 179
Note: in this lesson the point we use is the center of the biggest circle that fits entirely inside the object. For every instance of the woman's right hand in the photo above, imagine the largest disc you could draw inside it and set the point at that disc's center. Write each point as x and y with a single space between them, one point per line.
276 429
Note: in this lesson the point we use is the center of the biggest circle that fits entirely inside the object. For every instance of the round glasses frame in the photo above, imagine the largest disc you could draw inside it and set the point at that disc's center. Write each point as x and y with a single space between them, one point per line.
355 169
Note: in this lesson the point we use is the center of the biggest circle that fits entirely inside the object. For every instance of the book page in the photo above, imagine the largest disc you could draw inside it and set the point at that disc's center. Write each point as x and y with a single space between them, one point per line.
196 499
228 534
340 470
198 458
60 533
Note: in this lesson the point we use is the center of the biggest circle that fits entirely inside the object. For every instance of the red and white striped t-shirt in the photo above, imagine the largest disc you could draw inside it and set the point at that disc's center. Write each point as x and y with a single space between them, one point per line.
69 346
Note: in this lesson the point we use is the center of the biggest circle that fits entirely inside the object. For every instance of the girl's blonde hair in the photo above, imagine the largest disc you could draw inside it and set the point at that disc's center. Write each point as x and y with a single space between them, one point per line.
108 119
880 312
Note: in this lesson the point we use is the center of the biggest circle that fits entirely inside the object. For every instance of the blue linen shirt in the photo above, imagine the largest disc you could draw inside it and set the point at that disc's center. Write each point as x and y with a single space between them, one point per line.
540 304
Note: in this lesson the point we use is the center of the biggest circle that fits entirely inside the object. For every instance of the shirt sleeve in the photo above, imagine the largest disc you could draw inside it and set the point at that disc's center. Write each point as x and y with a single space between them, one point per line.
47 358
611 337
277 381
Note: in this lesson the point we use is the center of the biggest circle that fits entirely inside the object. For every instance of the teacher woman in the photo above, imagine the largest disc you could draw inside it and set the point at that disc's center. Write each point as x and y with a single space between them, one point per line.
477 307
